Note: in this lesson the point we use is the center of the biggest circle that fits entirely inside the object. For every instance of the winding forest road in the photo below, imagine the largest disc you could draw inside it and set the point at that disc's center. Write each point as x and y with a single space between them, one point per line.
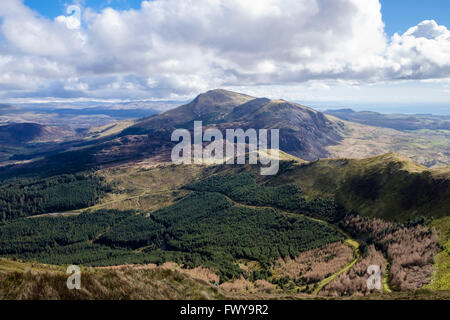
354 244
348 240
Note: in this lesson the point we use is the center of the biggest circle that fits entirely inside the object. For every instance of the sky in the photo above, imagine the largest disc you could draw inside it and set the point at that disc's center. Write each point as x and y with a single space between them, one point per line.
399 15
389 55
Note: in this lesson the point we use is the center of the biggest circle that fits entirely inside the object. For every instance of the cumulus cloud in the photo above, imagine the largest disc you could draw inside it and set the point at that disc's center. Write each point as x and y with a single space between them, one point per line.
172 48
422 52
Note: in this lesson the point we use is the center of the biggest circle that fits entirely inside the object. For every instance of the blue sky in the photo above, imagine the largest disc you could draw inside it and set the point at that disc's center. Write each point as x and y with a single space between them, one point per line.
334 55
54 8
399 15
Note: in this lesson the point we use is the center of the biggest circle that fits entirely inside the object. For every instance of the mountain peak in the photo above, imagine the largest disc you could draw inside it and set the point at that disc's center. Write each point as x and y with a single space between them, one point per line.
304 132
221 96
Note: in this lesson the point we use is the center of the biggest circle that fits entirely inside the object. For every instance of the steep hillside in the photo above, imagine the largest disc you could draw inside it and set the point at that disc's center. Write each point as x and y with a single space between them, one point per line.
32 281
211 105
304 132
15 134
387 186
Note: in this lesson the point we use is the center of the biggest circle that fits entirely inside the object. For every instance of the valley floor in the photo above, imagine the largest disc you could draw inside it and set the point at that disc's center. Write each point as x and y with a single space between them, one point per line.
430 148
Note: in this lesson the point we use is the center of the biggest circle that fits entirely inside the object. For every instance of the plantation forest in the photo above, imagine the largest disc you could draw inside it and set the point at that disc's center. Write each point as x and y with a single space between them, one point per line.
222 220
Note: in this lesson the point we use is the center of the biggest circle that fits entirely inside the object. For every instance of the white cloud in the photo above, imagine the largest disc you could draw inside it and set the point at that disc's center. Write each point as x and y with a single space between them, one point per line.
171 48
422 52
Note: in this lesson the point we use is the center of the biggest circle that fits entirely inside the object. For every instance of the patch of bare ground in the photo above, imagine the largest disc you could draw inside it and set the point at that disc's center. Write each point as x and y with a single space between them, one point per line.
243 285
315 265
354 281
264 286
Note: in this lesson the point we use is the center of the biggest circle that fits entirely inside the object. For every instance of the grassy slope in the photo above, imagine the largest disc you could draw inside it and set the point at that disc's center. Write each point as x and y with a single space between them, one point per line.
387 186
147 188
151 187
25 281
108 129
441 276
32 281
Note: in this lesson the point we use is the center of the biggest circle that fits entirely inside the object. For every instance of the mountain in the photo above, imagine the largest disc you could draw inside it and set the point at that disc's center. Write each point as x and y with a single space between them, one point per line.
304 132
22 133
306 231
214 104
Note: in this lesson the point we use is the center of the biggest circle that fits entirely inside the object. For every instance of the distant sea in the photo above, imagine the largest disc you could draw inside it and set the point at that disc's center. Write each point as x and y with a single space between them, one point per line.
402 109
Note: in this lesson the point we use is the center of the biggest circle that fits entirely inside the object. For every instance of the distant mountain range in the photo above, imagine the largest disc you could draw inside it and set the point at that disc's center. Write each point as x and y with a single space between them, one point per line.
304 133
394 121
81 115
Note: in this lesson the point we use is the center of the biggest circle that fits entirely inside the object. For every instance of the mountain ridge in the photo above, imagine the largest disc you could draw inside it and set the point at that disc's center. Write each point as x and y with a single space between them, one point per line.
23 133
304 132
